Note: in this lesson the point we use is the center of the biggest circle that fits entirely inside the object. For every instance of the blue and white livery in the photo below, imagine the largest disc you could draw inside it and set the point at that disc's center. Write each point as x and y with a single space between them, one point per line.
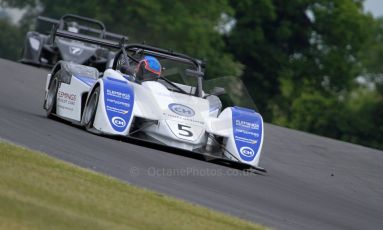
172 109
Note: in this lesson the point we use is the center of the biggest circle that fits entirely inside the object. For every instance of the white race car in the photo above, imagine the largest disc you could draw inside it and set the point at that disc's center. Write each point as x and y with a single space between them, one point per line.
171 109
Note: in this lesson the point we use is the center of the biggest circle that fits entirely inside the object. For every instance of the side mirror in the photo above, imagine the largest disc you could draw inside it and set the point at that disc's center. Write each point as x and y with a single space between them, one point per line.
193 73
217 91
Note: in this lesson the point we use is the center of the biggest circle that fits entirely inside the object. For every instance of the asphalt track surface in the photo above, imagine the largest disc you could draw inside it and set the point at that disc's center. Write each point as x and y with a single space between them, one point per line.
312 182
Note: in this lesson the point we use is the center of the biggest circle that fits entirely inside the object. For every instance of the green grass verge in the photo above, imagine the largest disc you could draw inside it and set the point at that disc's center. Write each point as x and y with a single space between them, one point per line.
39 192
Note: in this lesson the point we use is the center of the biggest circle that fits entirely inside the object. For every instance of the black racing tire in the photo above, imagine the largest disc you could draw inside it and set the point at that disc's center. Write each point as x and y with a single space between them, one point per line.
51 100
91 108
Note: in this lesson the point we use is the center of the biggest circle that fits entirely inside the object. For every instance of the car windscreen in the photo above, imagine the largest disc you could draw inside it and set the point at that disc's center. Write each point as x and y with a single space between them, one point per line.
173 75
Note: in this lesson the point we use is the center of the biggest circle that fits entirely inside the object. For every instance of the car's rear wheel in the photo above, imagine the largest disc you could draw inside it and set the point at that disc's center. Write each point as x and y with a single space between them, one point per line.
90 108
51 100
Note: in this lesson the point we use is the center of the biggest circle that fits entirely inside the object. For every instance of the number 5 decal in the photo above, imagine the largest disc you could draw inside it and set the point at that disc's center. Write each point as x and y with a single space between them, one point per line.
184 130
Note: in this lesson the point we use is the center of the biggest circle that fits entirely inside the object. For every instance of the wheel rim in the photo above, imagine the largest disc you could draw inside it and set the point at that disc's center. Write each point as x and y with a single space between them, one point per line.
51 93
90 109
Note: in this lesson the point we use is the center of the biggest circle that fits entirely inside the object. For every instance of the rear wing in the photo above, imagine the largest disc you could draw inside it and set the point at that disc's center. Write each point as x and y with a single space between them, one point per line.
89 39
59 24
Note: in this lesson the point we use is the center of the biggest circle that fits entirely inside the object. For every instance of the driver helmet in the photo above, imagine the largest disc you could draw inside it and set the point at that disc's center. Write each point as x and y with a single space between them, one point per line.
73 27
149 68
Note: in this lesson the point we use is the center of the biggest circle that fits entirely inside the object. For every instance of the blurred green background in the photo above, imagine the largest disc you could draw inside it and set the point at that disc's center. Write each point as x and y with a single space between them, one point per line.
312 65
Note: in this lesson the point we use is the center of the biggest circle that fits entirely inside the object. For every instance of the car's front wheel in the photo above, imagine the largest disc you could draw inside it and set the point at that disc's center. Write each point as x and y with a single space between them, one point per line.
50 101
90 109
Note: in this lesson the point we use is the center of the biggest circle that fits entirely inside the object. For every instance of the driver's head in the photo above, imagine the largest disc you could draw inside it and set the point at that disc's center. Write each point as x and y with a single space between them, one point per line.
73 27
148 69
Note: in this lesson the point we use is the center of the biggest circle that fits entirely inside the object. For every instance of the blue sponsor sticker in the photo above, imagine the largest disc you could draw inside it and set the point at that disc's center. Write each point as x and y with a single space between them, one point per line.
119 101
181 110
247 132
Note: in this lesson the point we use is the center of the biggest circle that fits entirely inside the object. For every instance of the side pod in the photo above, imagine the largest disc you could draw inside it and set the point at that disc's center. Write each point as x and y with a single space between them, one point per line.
244 136
32 48
115 106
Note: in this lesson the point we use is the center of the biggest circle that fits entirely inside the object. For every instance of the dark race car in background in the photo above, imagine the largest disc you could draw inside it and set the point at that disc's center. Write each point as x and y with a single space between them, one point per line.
43 49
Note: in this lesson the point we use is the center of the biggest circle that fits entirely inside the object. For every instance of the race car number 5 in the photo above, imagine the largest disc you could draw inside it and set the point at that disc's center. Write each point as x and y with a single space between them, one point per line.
184 130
